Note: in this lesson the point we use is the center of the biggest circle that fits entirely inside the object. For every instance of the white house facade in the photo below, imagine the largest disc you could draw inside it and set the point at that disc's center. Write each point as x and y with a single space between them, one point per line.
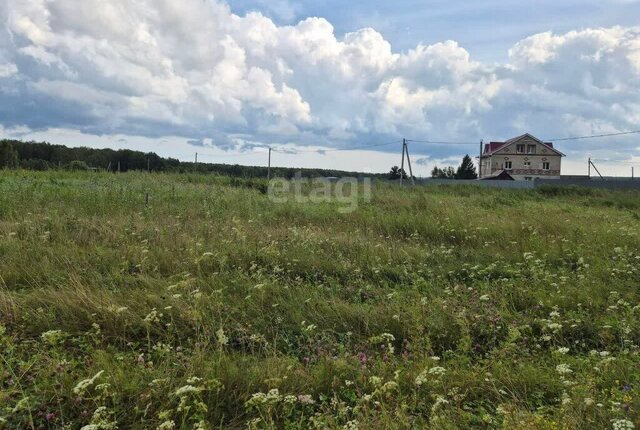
523 158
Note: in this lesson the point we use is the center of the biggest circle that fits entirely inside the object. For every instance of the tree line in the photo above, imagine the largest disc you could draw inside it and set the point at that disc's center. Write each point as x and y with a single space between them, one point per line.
466 170
44 156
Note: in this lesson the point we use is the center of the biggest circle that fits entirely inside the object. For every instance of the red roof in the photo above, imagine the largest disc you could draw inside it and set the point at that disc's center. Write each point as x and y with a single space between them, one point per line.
492 147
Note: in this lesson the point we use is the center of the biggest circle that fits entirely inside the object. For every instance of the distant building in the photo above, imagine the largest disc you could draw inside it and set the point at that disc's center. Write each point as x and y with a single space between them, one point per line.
523 158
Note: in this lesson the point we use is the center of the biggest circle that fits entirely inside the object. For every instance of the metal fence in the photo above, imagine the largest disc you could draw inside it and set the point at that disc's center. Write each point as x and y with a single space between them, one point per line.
520 185
609 183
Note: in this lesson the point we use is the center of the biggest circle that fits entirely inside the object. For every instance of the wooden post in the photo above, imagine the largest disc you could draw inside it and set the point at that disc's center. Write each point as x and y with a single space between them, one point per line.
589 170
595 168
118 167
269 166
406 148
404 142
632 176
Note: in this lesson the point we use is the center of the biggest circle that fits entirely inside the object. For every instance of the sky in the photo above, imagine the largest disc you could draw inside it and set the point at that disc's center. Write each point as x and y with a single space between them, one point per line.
227 79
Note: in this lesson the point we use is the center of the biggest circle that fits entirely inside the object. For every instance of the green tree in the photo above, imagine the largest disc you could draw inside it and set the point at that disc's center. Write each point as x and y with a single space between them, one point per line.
445 173
8 155
394 173
466 170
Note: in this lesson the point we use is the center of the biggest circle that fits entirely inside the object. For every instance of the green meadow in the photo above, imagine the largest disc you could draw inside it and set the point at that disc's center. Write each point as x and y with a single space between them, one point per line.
192 301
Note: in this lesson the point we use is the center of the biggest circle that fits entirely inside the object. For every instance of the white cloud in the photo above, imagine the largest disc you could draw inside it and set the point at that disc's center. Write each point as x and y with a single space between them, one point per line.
191 68
7 70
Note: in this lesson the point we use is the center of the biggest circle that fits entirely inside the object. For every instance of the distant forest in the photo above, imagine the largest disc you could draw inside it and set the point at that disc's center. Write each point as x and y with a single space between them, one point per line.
45 156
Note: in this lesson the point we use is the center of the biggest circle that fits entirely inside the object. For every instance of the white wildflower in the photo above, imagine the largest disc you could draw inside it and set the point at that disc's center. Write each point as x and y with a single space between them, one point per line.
82 386
623 425
152 316
222 338
187 389
306 399
422 378
351 425
193 380
563 369
440 400
53 337
167 425
375 380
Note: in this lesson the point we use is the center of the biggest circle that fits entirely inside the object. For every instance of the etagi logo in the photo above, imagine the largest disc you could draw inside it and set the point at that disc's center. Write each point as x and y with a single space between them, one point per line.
347 192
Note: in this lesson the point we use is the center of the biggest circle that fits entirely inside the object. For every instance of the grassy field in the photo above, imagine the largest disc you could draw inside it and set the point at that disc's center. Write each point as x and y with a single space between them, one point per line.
214 307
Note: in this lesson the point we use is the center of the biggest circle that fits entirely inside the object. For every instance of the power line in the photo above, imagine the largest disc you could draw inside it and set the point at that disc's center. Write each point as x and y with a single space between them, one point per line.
321 151
594 136
376 145
602 160
442 142
560 139
297 151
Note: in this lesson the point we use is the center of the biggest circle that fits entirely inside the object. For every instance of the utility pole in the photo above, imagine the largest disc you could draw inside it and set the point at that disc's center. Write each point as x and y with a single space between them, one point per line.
596 169
589 170
480 161
404 143
269 166
406 149
195 165
632 176
118 167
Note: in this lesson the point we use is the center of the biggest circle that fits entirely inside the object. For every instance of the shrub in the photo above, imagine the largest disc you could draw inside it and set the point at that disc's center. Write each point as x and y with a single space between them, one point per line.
78 165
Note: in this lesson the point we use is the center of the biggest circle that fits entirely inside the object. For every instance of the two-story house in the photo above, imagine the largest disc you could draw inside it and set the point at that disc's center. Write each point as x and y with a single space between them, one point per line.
523 158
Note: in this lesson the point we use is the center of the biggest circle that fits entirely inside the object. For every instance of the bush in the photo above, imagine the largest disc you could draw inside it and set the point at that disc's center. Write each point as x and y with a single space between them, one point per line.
78 165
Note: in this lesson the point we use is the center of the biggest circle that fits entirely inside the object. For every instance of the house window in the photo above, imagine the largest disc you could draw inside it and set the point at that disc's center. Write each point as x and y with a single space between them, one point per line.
520 149
527 164
507 165
528 178
545 165
531 149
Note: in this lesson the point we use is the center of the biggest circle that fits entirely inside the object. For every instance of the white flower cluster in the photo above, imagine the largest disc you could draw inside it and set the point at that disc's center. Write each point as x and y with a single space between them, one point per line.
424 375
83 385
273 397
53 337
623 425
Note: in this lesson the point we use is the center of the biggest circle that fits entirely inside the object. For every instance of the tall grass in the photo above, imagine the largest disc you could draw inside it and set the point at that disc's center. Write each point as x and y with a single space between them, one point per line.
213 307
